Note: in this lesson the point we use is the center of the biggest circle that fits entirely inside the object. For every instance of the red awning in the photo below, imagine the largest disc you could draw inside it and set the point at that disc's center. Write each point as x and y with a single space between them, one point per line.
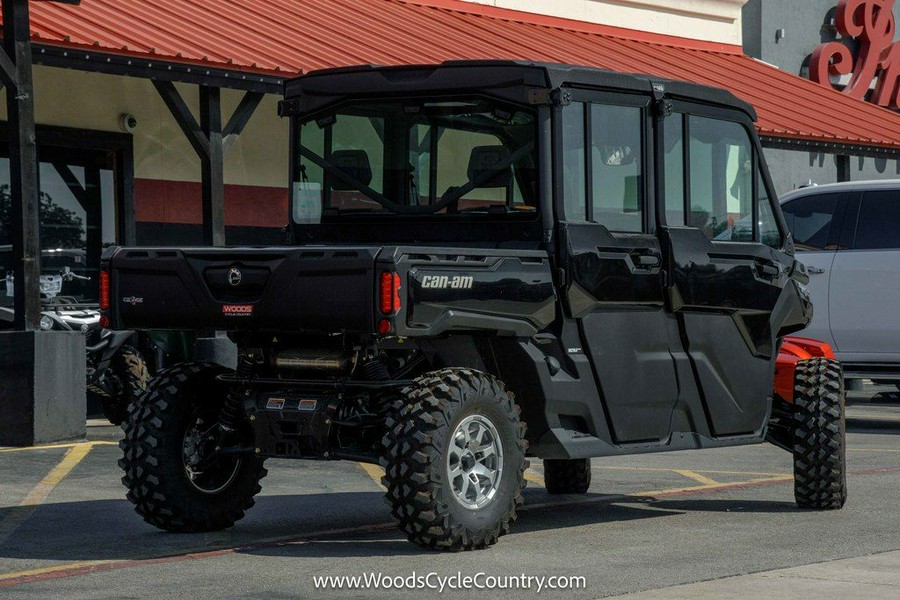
285 37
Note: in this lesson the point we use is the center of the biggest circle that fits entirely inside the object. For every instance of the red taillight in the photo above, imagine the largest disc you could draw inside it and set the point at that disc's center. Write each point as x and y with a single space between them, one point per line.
389 293
384 327
104 290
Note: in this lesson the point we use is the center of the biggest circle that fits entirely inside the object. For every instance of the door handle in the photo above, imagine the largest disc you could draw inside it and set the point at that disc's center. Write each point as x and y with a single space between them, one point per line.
814 270
648 260
767 269
645 258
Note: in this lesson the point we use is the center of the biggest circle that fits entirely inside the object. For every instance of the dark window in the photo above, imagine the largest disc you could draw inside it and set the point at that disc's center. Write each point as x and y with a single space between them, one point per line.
574 178
721 185
616 165
768 225
674 169
809 219
879 221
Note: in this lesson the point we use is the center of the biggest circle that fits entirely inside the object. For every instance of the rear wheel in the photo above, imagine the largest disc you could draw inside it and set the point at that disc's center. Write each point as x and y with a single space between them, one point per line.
567 476
175 478
820 466
455 460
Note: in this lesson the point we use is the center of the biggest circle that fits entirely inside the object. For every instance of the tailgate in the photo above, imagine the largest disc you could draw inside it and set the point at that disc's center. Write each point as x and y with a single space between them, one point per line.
277 289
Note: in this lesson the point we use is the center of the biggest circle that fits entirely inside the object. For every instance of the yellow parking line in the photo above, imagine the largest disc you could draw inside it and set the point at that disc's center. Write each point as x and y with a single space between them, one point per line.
375 472
670 469
703 479
718 486
54 569
53 446
534 477
39 493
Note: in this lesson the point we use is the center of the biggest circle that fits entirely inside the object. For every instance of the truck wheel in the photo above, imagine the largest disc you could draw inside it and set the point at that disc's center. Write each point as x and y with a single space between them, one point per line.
165 436
131 370
567 476
820 466
455 460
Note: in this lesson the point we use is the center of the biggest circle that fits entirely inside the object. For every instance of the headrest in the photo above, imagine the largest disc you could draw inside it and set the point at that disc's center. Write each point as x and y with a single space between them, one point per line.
354 163
484 160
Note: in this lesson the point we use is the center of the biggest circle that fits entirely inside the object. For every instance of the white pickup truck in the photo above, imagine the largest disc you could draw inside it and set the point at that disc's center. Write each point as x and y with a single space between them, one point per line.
848 235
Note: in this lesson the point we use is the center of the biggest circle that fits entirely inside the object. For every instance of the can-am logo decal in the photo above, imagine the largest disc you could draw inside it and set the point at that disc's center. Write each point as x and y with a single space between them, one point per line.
237 310
446 282
132 300
871 24
234 277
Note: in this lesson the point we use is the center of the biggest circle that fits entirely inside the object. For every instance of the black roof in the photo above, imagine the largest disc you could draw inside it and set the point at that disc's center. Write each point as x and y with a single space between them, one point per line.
318 88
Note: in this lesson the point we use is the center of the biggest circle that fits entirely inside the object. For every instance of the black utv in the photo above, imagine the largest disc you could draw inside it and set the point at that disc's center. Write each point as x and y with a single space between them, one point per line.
486 261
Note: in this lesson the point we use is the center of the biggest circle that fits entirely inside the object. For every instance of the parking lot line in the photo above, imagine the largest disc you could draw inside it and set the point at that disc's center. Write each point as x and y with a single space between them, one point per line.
533 476
696 476
717 486
696 471
375 472
53 446
45 486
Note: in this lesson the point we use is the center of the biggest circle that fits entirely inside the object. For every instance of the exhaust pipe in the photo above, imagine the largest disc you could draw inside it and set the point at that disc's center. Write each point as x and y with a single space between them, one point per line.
313 360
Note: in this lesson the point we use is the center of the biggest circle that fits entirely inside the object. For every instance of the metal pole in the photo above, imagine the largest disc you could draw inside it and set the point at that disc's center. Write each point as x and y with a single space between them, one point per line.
23 168
213 167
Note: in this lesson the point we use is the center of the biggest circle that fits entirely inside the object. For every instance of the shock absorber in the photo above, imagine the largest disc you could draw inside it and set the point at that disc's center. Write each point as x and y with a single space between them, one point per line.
375 370
233 409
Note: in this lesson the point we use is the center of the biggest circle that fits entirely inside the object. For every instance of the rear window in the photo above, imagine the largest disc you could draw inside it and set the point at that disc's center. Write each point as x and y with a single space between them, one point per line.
878 226
810 220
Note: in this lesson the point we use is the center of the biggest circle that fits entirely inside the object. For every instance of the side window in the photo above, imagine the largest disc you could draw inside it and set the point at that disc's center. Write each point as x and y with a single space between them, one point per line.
574 162
809 220
768 225
674 169
877 227
616 166
721 179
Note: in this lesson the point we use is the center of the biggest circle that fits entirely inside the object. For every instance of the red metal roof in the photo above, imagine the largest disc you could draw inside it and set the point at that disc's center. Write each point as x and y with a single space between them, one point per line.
285 37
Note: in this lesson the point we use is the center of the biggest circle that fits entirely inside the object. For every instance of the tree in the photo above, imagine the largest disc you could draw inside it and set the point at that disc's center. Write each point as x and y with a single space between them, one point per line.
60 227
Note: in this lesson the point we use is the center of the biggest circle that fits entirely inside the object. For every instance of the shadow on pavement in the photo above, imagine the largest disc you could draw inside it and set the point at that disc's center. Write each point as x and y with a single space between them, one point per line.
109 529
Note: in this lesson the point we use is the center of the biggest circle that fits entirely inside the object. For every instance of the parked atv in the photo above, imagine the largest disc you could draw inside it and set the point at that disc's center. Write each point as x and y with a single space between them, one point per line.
116 372
494 260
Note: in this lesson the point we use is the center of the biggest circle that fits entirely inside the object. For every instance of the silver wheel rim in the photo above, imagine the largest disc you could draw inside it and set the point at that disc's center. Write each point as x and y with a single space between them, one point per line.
475 462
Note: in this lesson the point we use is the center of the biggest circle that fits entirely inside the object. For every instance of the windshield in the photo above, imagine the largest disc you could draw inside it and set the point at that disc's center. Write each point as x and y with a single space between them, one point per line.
471 157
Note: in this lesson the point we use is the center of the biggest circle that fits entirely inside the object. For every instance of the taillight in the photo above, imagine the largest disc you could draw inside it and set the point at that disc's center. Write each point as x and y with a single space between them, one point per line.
389 293
104 290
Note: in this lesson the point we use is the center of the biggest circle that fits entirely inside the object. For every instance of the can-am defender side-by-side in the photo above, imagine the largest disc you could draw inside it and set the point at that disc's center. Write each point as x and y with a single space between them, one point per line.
487 261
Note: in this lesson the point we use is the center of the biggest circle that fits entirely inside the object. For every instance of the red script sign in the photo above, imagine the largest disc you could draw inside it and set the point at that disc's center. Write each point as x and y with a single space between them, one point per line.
871 23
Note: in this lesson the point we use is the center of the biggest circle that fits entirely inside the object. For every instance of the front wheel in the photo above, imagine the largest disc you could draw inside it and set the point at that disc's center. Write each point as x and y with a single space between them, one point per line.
820 465
175 478
129 368
455 460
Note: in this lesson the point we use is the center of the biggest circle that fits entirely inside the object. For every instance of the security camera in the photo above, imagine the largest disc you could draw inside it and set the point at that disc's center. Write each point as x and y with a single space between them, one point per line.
128 122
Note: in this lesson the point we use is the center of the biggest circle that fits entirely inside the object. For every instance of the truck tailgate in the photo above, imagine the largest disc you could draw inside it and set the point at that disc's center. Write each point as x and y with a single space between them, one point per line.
295 289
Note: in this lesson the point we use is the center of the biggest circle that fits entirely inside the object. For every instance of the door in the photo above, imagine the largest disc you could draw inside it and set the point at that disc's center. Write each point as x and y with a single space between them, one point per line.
865 281
722 243
814 222
614 264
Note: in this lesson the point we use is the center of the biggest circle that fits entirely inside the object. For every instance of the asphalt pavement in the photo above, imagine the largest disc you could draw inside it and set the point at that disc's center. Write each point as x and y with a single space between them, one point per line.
699 524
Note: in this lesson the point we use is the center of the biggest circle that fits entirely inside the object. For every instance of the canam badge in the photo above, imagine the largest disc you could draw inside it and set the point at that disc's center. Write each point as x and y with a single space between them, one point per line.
234 277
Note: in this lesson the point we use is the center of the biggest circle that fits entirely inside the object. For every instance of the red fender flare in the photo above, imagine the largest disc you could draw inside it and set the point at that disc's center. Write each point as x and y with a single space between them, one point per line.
793 350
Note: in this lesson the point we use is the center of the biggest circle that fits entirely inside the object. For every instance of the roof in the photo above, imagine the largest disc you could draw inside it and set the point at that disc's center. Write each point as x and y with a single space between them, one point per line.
285 37
505 77
845 186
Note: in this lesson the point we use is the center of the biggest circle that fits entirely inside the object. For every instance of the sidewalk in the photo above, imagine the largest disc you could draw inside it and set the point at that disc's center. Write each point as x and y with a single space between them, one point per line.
874 577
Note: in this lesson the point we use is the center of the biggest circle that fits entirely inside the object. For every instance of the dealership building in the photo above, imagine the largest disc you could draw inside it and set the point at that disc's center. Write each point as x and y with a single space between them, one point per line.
157 122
